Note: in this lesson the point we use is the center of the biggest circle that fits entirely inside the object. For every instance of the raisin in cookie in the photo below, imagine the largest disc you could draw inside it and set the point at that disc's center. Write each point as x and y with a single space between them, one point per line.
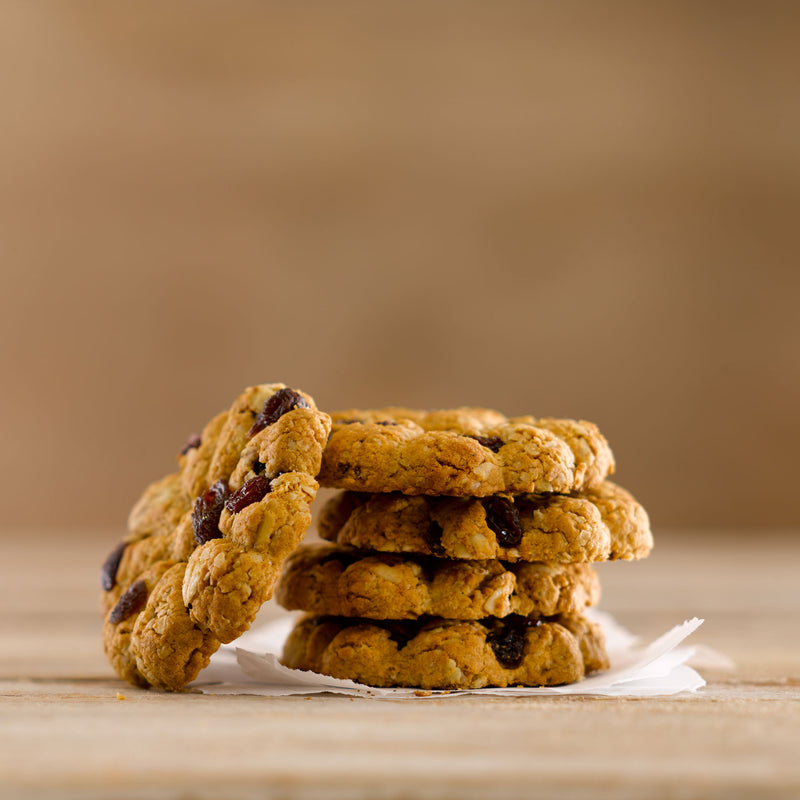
599 524
335 581
465 452
448 654
178 594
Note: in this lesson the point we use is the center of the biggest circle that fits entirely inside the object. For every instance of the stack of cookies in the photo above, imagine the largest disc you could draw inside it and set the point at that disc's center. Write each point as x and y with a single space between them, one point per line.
463 551
460 555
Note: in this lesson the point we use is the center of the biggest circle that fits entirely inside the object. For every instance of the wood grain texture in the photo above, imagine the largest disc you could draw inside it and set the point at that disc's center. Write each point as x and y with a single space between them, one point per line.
64 731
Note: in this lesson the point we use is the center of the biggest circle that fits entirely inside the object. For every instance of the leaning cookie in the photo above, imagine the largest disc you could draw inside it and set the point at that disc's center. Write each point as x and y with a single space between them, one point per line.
159 524
464 452
224 556
448 654
335 581
599 524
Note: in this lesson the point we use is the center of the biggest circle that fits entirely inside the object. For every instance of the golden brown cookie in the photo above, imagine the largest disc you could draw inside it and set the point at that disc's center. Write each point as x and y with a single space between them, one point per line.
254 469
322 579
448 654
602 523
465 452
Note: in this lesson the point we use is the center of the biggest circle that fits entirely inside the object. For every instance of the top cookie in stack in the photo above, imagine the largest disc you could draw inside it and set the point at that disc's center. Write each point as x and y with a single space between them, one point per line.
497 520
466 452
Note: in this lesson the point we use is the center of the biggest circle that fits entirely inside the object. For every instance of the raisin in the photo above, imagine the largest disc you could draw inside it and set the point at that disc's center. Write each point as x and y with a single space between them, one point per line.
386 422
433 538
193 441
251 492
528 504
507 638
503 518
133 600
108 572
207 511
494 443
283 401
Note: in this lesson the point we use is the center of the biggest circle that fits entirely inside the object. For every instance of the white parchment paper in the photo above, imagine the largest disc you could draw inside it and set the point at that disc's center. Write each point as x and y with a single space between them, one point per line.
637 669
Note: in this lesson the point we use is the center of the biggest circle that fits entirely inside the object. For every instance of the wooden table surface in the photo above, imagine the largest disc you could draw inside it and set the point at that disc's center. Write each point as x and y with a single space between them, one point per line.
65 729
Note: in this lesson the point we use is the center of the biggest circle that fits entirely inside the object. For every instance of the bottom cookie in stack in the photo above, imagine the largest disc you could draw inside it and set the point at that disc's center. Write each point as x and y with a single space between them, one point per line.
392 620
448 654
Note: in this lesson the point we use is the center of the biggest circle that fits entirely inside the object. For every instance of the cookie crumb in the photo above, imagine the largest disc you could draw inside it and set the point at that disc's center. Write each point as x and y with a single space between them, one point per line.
121 696
422 693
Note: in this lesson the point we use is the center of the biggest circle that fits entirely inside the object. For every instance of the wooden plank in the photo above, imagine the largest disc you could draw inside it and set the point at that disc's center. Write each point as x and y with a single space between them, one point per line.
81 737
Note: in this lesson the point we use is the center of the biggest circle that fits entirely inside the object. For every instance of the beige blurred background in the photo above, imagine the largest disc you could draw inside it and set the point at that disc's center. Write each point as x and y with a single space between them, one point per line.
571 209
